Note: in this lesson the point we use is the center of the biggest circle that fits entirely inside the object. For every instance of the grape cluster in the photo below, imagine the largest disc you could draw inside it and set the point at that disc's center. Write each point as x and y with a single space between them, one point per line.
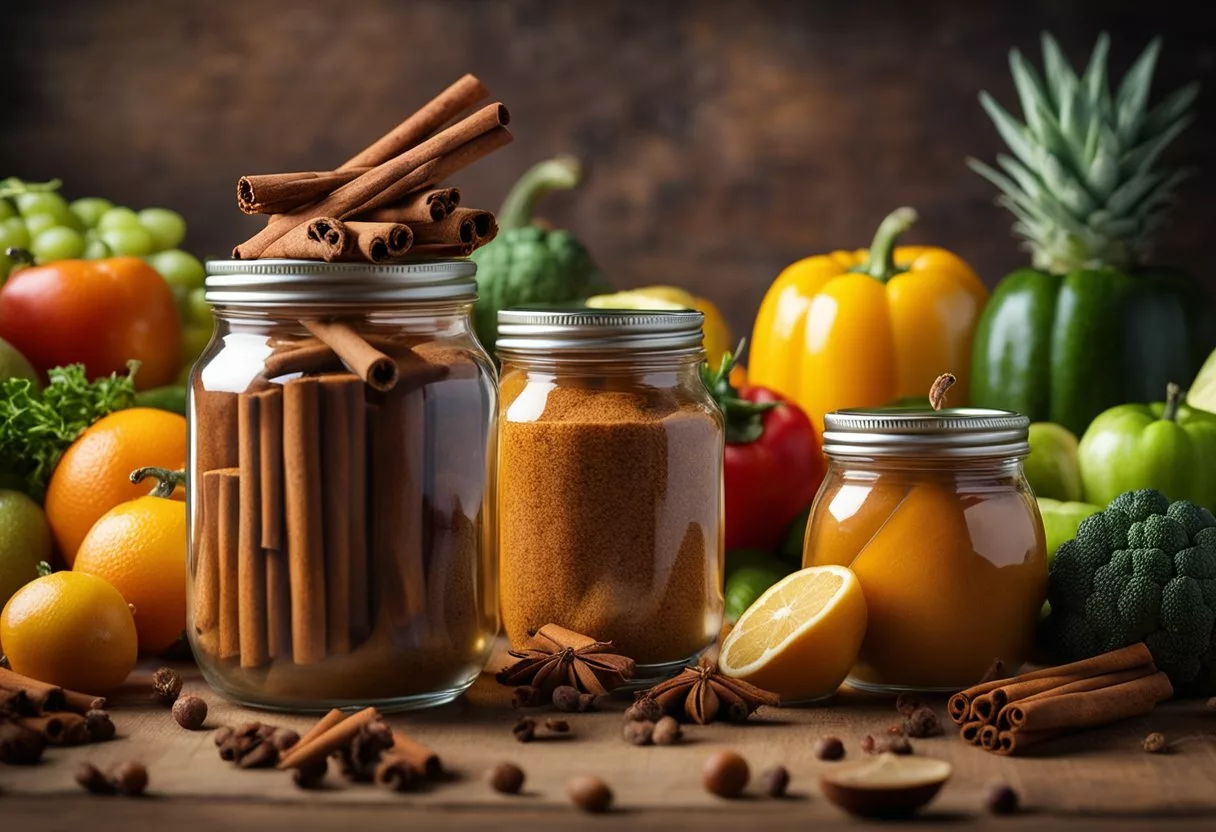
37 219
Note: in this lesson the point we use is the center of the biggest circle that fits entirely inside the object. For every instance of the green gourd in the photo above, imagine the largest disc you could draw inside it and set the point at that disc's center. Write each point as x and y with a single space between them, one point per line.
529 264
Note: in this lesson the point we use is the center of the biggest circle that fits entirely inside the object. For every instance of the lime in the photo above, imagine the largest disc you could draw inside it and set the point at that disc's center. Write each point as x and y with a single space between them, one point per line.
15 365
25 539
748 574
1202 394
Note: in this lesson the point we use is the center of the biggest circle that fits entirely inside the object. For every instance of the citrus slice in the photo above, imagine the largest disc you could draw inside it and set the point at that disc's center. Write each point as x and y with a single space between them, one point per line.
633 300
801 636
1203 390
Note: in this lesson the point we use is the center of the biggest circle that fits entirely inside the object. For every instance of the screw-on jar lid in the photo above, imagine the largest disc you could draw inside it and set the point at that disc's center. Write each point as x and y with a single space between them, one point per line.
275 283
532 330
962 432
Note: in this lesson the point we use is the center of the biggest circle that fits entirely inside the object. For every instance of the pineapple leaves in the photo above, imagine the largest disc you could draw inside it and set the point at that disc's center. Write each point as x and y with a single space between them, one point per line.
1097 88
1132 99
1055 66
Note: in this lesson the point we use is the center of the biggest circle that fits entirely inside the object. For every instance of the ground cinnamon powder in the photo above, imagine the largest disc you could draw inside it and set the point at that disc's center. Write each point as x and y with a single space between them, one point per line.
609 518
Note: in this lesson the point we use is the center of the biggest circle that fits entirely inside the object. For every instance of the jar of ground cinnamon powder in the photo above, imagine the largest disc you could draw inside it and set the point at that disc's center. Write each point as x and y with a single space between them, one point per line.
610 481
341 526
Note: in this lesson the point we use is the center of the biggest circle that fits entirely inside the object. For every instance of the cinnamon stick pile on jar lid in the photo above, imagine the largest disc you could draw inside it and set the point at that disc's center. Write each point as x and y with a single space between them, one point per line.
384 203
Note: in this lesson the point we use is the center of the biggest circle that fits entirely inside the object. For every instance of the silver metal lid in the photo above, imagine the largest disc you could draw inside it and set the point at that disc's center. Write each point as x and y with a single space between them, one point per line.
274 283
531 330
963 432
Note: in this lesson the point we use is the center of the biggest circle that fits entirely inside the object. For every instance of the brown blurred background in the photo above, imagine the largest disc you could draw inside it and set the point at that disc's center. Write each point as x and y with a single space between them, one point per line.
723 139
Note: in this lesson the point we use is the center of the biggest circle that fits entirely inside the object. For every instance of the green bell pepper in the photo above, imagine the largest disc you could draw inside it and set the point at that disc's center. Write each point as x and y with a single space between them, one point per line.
1064 348
1165 446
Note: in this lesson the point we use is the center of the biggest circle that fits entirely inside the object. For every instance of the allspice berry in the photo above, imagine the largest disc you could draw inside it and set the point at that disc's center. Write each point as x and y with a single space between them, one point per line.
1001 799
1155 743
725 774
89 778
776 780
566 698
644 709
190 712
639 733
99 726
166 685
506 778
590 794
829 748
667 731
129 778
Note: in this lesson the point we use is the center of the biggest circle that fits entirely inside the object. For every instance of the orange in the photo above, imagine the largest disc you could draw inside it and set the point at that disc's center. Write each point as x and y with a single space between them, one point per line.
139 547
801 636
71 630
93 475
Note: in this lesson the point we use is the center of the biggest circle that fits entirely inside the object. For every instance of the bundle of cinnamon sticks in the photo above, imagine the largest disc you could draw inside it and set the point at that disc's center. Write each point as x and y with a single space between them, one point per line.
385 202
1007 716
35 714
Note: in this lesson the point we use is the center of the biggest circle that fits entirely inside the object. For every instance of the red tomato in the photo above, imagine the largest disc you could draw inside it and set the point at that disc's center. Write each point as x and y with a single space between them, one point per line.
773 478
100 313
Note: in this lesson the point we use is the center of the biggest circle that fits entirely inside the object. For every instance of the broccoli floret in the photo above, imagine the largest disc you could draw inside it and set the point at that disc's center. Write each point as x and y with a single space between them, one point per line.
1142 570
1158 532
1193 518
1140 504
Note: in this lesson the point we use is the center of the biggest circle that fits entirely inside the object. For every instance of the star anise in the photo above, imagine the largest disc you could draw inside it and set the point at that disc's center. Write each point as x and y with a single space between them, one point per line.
702 694
557 656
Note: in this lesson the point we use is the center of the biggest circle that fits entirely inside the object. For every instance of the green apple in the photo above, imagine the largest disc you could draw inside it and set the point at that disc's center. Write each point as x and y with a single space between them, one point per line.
1203 390
1052 467
1061 521
15 365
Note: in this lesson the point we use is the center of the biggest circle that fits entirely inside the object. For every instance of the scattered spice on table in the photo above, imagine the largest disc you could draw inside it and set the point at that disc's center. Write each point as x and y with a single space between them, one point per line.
702 694
557 657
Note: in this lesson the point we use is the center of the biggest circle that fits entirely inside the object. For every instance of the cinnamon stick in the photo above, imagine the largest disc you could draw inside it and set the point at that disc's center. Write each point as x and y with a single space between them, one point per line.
302 476
337 394
328 741
207 559
378 242
215 447
1011 742
454 100
971 731
443 249
421 758
323 724
251 563
460 227
413 369
360 595
228 524
1115 661
375 368
386 183
991 705
64 728
276 193
396 498
48 697
323 238
422 206
1088 708
270 466
988 737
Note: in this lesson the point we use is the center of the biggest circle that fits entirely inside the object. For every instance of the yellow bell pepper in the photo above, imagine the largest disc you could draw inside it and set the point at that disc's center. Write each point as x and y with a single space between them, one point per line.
716 332
865 328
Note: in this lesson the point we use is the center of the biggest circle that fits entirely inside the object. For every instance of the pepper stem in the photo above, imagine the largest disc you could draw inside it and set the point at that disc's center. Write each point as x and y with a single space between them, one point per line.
20 256
881 263
559 174
744 419
166 480
1173 398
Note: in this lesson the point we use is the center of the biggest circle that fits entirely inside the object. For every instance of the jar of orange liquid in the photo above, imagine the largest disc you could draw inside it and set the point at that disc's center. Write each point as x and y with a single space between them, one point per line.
932 511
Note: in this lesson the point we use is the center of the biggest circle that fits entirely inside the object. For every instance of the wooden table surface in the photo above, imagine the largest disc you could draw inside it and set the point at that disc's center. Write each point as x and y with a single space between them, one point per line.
1096 780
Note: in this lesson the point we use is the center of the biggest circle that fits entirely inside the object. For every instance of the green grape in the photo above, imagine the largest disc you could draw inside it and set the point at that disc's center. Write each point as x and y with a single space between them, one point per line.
180 269
132 241
41 202
37 223
167 227
13 234
198 311
6 209
96 250
118 218
58 243
89 209
194 341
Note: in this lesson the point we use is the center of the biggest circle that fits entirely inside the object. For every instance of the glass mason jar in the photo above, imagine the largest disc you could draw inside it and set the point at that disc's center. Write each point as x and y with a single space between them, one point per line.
340 486
610 482
932 511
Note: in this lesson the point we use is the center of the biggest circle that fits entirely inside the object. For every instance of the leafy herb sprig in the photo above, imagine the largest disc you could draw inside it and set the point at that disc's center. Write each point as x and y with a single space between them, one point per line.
36 427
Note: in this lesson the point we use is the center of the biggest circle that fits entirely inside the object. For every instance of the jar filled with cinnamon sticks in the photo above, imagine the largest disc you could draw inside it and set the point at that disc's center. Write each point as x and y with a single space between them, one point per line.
341 528
610 482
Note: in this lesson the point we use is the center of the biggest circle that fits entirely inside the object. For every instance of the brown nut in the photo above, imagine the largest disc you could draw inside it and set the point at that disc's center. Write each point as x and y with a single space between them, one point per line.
129 778
190 712
1155 743
566 698
1001 799
884 745
644 709
667 731
586 702
166 685
99 726
525 730
506 778
829 748
725 774
557 726
908 702
776 780
590 794
922 722
310 774
638 733
89 778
